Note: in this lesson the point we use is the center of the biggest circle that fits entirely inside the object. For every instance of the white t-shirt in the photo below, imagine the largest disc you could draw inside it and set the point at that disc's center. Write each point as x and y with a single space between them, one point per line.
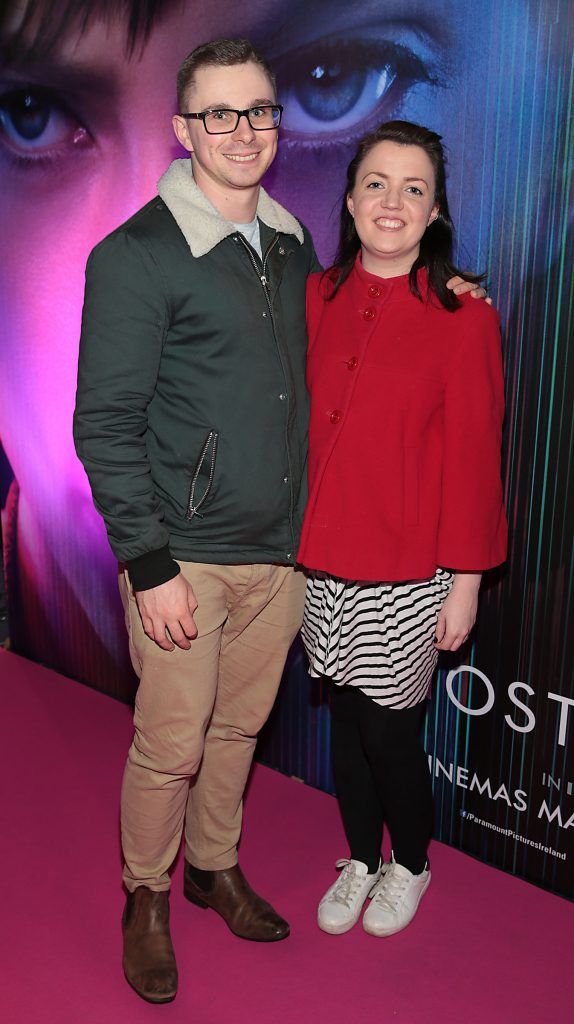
251 233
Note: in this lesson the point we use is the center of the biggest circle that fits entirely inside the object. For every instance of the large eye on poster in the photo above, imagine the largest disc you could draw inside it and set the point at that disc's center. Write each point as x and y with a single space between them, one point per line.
87 91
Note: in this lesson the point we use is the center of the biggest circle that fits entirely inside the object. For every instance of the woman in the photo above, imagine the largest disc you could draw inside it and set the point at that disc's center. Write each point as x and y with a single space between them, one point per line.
405 505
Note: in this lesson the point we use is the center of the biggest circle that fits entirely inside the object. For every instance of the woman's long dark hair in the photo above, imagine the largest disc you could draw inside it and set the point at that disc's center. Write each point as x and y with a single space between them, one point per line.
435 254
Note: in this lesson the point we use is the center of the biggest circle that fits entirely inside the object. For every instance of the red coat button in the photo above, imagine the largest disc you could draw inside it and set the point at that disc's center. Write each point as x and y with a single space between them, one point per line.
369 313
336 416
352 363
374 291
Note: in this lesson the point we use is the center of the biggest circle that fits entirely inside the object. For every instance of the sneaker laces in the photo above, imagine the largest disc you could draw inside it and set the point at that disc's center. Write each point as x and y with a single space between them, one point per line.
348 886
390 891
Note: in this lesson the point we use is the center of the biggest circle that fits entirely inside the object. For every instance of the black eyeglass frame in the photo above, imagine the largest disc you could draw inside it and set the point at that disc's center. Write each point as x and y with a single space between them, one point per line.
240 113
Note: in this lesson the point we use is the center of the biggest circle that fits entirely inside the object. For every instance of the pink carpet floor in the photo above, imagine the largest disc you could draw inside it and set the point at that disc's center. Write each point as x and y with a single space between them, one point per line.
484 947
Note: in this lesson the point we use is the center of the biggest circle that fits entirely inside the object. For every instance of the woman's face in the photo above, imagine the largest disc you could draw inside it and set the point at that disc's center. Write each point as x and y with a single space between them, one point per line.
392 204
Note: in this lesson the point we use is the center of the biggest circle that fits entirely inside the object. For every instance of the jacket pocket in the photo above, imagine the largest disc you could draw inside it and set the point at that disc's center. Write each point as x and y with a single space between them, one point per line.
202 479
411 486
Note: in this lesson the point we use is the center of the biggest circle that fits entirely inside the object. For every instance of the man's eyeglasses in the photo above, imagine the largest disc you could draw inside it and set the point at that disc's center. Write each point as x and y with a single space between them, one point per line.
223 121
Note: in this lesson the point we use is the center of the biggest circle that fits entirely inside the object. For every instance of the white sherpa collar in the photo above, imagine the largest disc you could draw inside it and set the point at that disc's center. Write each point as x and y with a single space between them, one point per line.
200 223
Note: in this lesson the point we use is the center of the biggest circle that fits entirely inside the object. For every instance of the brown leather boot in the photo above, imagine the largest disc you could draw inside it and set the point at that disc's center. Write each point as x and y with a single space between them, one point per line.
228 893
149 960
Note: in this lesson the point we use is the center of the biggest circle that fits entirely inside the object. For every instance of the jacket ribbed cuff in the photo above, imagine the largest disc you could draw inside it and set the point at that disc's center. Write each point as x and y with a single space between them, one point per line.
152 569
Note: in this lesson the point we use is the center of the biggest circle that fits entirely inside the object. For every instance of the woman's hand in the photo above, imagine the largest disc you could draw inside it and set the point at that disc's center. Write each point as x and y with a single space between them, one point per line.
458 613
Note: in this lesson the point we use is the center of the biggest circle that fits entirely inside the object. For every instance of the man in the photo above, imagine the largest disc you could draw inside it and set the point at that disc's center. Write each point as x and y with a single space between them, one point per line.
191 421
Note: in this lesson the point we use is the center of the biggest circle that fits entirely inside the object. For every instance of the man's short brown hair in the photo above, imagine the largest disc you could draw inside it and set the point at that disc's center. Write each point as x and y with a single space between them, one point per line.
223 53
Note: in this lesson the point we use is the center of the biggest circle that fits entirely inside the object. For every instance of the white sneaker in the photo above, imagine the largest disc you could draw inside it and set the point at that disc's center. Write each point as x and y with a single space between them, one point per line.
341 905
395 900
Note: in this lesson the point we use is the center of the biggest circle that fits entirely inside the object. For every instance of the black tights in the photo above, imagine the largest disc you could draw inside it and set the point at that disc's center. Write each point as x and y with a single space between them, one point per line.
381 774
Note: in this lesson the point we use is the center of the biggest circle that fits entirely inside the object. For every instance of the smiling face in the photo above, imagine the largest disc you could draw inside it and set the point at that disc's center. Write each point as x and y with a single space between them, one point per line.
227 163
392 204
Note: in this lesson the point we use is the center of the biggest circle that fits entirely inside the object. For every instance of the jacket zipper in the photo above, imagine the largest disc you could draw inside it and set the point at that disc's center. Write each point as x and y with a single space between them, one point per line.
192 509
265 285
262 277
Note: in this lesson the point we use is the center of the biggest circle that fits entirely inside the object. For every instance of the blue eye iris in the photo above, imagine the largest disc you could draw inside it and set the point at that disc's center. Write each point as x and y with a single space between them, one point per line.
32 122
338 84
330 91
25 116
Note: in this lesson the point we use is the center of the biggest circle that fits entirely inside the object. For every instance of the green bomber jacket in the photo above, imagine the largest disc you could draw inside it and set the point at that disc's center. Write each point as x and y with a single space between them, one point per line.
191 409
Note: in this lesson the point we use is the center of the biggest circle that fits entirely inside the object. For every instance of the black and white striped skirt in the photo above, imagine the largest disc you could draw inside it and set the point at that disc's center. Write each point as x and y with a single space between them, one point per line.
375 636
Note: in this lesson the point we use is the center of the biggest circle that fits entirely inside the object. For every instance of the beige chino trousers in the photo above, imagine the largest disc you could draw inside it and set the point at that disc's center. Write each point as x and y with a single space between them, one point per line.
197 715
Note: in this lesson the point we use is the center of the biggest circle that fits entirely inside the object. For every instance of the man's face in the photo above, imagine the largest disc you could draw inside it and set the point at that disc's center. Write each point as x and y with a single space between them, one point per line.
236 161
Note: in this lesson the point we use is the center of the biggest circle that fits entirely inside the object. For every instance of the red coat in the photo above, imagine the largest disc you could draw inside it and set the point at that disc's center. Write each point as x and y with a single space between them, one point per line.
405 433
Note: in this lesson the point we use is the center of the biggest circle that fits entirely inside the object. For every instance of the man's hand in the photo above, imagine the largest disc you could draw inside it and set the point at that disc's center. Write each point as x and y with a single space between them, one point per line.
460 287
167 613
458 613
